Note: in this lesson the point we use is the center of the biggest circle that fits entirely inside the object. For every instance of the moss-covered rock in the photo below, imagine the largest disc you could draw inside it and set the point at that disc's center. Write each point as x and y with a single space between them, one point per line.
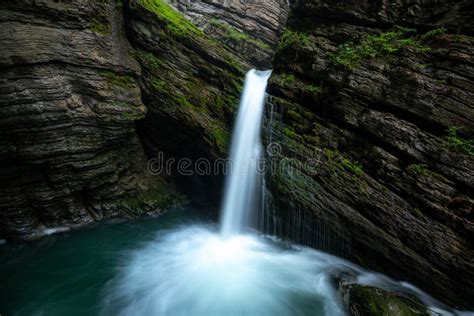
371 301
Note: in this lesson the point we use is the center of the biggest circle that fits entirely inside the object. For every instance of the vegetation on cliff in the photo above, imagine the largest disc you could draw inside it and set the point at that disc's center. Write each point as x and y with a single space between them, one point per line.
372 46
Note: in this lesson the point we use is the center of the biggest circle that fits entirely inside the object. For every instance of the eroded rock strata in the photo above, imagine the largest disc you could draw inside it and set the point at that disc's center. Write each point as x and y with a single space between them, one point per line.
375 101
70 96
81 80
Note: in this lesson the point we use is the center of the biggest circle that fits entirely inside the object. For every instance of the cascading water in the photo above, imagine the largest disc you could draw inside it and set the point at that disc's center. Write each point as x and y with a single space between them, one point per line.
239 196
194 270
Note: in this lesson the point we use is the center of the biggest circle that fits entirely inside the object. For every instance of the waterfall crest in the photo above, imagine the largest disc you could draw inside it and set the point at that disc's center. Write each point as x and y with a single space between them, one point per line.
239 194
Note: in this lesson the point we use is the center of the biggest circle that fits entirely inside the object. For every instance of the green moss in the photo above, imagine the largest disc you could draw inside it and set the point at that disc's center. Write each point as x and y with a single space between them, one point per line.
293 115
152 62
419 170
350 55
289 38
234 34
159 85
221 137
336 163
122 81
159 198
186 32
433 33
99 27
223 104
314 90
181 100
287 80
176 23
455 142
289 132
370 301
353 168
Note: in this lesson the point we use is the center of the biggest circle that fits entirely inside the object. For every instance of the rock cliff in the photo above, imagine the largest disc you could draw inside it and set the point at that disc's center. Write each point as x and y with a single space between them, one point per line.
90 88
376 112
70 96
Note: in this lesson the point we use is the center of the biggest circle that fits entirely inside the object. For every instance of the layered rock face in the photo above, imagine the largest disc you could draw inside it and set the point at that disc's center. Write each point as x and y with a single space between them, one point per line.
81 80
70 96
191 82
375 123
261 22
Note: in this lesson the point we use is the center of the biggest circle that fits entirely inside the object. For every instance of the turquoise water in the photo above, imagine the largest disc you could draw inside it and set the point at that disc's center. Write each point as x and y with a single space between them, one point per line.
65 274
177 264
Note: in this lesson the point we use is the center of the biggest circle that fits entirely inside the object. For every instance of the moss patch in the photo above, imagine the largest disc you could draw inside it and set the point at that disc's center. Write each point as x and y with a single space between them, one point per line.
289 38
371 301
455 142
350 55
419 170
221 137
176 23
151 201
100 27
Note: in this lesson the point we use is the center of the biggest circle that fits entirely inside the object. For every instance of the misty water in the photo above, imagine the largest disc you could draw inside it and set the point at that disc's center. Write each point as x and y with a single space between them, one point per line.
176 264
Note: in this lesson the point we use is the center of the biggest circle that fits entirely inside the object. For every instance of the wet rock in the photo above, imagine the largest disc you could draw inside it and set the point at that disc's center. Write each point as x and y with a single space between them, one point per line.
371 301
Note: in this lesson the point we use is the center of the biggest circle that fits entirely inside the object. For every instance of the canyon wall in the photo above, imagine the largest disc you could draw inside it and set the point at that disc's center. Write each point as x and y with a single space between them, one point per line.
70 95
91 90
373 115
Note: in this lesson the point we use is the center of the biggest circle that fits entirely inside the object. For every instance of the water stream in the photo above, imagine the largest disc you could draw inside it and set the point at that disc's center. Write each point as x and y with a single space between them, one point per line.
241 184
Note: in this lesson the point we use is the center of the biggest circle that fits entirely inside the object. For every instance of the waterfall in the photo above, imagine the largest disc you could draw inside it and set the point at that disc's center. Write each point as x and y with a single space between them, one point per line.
241 182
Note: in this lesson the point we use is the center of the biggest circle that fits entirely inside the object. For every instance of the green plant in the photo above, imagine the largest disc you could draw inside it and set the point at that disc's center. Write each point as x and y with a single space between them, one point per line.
221 137
350 55
352 167
419 169
290 37
181 100
433 33
159 84
153 63
287 79
289 132
456 142
314 89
